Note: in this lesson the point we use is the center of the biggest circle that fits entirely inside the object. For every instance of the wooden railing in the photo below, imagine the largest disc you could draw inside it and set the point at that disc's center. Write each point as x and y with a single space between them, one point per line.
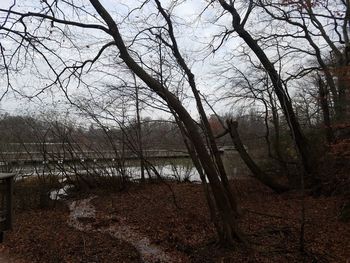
65 156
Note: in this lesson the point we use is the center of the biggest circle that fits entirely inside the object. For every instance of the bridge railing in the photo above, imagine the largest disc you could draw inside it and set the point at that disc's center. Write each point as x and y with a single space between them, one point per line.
10 157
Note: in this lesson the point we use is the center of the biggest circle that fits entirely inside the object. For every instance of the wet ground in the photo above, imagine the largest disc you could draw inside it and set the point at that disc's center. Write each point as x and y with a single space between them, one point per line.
83 217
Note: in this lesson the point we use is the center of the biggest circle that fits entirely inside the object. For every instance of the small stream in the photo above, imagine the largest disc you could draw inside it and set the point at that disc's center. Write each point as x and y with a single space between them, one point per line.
83 209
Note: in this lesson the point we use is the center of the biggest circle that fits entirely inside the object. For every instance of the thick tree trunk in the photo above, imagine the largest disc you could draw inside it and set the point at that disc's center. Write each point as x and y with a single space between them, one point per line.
207 129
199 168
254 168
227 228
286 105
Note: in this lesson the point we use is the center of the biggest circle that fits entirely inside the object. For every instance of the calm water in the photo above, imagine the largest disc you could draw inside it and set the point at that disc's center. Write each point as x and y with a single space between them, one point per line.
177 168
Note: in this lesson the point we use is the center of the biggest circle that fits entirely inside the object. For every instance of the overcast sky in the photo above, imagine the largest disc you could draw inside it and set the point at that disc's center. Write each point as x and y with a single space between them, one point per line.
192 37
193 31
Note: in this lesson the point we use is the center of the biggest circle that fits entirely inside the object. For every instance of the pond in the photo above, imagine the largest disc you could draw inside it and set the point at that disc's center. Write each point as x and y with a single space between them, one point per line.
178 168
173 168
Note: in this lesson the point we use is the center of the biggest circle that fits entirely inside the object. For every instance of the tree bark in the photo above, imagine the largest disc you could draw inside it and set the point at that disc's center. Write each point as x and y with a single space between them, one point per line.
227 230
199 168
286 105
207 129
254 168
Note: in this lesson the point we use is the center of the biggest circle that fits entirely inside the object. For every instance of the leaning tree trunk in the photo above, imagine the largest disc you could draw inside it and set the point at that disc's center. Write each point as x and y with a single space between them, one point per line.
207 129
228 230
284 100
254 168
199 168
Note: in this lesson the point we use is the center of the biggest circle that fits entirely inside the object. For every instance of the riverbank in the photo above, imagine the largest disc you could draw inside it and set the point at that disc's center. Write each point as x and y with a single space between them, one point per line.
170 223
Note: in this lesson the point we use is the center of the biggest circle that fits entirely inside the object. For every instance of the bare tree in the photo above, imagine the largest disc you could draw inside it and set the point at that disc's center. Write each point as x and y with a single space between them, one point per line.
238 25
103 22
315 22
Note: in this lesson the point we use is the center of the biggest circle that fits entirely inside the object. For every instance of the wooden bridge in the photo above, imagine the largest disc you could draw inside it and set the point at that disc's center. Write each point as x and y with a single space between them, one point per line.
25 160
18 158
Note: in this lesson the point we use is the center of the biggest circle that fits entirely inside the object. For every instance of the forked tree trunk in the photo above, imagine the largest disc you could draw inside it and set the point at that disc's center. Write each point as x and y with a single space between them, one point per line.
199 168
207 129
227 228
253 167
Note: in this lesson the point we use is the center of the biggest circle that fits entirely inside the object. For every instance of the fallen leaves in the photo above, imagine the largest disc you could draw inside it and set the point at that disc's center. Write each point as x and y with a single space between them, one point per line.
270 221
44 236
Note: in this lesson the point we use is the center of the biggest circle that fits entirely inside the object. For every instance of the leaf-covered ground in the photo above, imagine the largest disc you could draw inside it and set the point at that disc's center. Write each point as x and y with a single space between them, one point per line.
45 236
178 223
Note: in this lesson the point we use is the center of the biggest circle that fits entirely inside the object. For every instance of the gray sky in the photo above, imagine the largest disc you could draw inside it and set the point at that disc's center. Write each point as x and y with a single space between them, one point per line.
194 33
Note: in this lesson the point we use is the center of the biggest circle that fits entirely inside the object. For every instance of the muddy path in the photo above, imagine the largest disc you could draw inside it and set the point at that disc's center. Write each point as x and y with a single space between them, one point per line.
83 217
